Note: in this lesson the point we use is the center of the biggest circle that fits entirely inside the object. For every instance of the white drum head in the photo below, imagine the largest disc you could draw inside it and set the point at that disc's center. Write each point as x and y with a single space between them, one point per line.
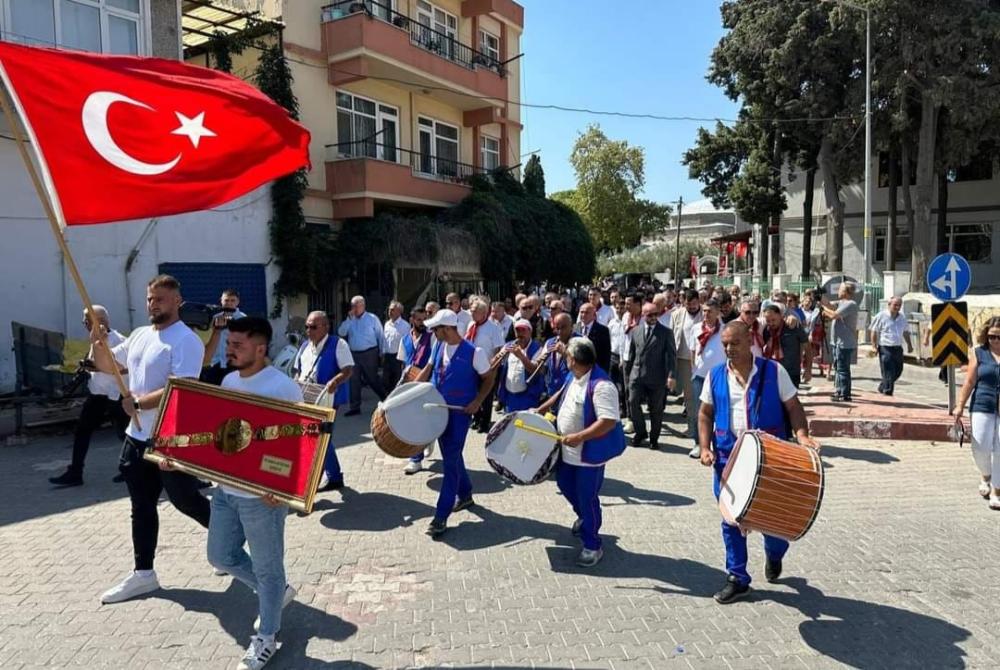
738 487
521 451
409 420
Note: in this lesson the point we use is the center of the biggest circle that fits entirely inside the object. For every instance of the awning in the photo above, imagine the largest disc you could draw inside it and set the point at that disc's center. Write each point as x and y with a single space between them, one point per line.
201 20
743 236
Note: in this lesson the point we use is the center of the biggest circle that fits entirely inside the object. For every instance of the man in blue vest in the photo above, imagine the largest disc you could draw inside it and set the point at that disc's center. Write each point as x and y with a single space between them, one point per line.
414 352
325 359
746 393
557 372
462 374
515 392
587 415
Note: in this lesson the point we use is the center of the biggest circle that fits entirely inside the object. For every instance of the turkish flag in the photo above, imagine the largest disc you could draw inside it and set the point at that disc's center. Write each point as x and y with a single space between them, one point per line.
122 137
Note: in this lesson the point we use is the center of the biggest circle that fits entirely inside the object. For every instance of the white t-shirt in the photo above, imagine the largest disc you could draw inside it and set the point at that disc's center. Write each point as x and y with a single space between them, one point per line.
488 336
516 380
101 383
464 319
604 314
619 341
571 418
890 331
712 355
480 361
737 394
152 356
504 325
345 359
270 383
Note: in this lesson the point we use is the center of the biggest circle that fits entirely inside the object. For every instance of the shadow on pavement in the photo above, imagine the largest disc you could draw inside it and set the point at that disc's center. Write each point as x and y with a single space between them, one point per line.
868 455
373 511
236 608
867 635
627 494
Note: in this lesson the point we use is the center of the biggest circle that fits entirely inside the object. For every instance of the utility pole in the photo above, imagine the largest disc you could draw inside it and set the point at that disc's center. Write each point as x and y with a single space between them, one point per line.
677 244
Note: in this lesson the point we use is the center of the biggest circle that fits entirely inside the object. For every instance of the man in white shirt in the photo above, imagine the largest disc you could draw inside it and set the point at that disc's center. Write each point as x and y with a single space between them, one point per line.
730 389
215 348
686 321
363 332
588 420
239 517
499 316
888 331
604 312
484 334
708 354
619 343
453 301
461 373
395 329
150 355
102 401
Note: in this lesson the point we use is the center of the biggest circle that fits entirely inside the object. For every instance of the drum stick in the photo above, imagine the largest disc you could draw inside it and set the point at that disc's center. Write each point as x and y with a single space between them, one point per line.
519 423
433 405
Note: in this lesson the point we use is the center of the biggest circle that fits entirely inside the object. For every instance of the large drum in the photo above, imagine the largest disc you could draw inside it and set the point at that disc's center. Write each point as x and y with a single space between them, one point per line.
315 394
772 486
522 448
413 416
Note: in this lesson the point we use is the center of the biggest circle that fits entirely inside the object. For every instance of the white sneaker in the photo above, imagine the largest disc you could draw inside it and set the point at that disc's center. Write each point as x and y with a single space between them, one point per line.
628 427
428 450
994 501
285 602
413 467
130 587
695 452
258 653
589 557
324 480
219 572
985 488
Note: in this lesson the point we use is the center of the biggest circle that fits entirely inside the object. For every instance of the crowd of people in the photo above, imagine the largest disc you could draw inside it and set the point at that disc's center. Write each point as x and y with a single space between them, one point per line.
603 361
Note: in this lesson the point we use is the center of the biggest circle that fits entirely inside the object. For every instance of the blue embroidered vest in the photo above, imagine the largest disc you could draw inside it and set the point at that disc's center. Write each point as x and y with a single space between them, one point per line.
537 384
557 375
765 411
604 448
459 381
424 348
326 368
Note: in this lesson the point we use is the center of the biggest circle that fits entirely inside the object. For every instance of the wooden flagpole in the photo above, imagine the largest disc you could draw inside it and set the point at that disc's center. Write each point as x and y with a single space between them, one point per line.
50 214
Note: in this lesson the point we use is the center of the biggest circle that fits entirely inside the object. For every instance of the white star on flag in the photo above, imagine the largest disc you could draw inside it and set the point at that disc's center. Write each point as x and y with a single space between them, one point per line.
194 128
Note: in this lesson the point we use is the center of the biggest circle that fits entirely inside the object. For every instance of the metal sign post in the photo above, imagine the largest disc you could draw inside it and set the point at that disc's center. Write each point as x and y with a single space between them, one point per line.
949 278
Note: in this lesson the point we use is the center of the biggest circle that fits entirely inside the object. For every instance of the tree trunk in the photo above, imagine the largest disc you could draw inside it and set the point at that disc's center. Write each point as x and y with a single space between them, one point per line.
942 217
904 165
807 222
890 232
834 209
762 254
923 192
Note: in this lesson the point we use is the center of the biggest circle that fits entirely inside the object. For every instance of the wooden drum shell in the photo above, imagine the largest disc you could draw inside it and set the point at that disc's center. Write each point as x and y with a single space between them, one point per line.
388 442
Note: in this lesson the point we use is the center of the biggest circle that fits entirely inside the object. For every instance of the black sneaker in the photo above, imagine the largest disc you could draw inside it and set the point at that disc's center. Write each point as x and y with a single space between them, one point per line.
732 591
464 504
67 479
577 525
638 441
772 570
436 528
119 478
655 446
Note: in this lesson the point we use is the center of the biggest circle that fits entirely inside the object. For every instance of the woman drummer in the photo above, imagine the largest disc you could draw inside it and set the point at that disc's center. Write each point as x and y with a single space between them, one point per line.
982 382
588 420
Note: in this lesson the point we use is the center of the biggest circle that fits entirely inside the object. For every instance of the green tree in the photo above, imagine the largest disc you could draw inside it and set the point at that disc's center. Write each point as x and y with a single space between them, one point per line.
534 177
610 175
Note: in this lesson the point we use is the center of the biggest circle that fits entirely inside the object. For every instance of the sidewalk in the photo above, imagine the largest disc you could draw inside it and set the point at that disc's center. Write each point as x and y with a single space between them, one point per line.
917 411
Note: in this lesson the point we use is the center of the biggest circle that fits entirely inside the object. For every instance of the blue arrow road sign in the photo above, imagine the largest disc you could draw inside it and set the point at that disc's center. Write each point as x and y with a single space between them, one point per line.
949 277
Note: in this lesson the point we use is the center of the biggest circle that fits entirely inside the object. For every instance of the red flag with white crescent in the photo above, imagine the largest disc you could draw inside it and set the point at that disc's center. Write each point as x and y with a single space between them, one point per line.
125 137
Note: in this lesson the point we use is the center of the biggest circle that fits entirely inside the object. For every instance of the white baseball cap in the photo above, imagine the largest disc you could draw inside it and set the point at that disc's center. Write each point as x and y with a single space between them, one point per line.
443 317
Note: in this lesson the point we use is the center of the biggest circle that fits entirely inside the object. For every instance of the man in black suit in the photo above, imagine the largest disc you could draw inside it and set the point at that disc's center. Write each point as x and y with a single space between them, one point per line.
600 335
652 357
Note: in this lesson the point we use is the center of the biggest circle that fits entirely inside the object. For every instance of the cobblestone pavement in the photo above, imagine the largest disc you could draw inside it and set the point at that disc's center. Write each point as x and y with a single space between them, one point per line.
899 572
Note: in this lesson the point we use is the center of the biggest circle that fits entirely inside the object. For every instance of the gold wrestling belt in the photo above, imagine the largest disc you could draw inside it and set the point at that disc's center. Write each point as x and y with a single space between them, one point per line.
234 435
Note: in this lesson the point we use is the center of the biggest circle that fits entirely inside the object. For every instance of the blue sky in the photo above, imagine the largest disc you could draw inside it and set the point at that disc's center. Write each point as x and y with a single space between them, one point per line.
647 56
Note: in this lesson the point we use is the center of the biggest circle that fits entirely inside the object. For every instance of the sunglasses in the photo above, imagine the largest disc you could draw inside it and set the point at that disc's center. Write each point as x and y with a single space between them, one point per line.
993 338
312 327
747 311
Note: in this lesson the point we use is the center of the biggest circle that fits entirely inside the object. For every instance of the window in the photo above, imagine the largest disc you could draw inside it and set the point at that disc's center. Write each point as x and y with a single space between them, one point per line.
980 168
438 148
903 246
438 30
489 45
974 241
489 152
366 128
103 26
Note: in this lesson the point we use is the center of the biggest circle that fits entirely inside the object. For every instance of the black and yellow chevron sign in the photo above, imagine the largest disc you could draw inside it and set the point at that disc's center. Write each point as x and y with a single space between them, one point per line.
950 333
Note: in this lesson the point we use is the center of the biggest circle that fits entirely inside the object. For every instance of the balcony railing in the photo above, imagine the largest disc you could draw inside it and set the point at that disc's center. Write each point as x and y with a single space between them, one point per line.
422 164
421 35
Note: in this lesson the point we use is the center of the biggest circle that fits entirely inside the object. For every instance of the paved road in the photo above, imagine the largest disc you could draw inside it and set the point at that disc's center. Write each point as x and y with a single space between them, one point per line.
899 572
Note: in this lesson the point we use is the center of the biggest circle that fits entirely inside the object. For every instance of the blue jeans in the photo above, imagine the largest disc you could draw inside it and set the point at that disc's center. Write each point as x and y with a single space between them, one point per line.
237 520
331 464
775 548
891 359
582 486
456 484
697 384
842 370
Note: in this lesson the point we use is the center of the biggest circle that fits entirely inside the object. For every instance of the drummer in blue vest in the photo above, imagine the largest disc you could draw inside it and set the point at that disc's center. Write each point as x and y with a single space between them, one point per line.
746 393
587 415
326 359
461 373
516 393
557 371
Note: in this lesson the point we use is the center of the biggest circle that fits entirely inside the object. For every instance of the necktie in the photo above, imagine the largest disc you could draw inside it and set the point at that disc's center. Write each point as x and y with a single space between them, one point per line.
649 332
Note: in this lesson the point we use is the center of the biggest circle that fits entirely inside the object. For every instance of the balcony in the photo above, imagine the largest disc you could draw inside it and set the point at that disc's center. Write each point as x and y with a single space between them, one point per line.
365 38
359 174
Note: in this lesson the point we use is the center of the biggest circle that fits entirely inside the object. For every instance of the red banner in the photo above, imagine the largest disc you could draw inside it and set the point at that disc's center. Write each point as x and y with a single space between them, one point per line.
724 265
694 265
